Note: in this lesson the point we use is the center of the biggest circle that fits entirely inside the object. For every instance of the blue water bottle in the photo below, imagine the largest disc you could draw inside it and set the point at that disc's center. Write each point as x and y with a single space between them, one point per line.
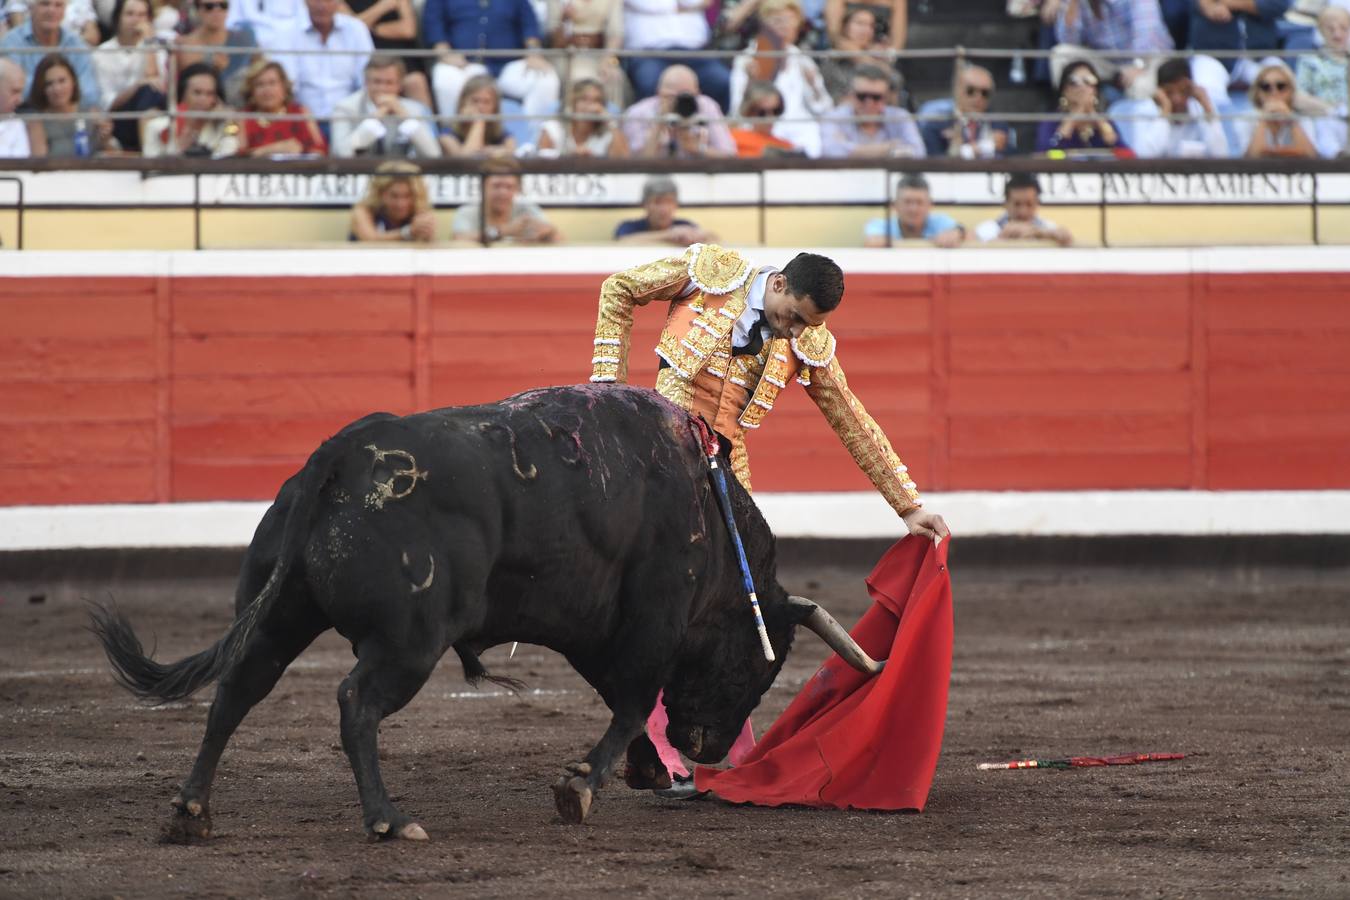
81 137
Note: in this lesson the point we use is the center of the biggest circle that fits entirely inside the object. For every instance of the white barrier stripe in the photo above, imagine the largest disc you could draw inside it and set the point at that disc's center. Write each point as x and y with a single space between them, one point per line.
601 261
822 515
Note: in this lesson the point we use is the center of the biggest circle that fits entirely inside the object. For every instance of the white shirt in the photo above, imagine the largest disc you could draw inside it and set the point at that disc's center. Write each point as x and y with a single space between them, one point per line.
804 97
990 230
1197 136
13 139
269 19
663 24
118 67
323 80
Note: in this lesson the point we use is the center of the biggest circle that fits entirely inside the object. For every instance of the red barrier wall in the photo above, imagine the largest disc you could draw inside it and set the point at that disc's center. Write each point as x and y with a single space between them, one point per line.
193 388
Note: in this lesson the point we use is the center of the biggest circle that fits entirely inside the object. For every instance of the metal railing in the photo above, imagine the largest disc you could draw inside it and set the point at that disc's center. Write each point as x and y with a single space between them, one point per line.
763 202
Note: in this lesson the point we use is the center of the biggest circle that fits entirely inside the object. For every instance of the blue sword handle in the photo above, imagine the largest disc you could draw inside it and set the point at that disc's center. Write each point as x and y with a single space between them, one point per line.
724 500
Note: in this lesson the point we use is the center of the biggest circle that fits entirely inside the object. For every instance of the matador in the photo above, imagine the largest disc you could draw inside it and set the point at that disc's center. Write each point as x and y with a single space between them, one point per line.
736 336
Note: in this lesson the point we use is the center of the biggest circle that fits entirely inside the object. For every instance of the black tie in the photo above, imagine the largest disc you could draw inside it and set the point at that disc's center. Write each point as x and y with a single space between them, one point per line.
756 342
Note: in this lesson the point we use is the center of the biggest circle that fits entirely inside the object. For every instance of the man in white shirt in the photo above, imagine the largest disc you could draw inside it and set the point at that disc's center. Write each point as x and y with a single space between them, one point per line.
13 133
1021 220
376 121
1188 125
321 80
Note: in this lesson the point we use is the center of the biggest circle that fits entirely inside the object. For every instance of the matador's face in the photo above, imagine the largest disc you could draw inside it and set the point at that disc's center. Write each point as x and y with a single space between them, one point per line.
788 314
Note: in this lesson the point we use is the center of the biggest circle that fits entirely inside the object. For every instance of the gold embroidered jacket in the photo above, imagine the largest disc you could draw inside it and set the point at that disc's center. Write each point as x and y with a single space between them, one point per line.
697 344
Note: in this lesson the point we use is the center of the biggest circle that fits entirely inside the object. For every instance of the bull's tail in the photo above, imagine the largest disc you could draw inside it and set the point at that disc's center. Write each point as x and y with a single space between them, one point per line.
475 672
165 683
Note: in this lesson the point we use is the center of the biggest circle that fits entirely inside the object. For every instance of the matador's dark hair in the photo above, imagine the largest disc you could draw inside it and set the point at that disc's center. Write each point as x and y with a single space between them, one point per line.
815 276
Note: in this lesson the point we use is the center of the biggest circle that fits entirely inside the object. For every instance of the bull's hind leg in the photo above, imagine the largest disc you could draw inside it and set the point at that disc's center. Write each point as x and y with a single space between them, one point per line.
274 644
381 684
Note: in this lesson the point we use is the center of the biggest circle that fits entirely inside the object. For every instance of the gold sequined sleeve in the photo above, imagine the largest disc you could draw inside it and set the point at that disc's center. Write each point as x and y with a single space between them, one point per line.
664 279
862 436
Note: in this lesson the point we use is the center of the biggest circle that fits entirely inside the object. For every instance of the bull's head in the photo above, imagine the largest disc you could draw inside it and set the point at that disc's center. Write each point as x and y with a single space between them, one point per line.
712 694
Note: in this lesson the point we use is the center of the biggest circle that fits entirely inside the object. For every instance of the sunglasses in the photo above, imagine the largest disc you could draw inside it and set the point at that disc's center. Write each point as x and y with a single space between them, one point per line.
1267 87
866 96
1083 81
972 91
768 110
210 6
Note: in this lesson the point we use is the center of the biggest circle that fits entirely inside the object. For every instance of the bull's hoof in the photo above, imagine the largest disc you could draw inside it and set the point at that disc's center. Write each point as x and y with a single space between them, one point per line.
645 771
190 823
573 798
408 831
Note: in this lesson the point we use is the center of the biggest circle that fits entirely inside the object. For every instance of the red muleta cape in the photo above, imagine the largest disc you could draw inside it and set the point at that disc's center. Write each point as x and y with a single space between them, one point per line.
852 742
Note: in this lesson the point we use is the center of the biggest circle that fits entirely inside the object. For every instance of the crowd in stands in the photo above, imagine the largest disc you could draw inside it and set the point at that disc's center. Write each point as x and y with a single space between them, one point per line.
396 207
482 78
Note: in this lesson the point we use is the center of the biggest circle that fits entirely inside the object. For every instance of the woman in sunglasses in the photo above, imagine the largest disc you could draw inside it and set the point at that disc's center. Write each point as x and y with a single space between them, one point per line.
211 32
1083 127
799 82
1278 131
759 113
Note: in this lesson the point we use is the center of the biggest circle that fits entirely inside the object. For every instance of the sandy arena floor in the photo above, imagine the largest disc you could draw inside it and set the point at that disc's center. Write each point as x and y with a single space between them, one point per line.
1246 671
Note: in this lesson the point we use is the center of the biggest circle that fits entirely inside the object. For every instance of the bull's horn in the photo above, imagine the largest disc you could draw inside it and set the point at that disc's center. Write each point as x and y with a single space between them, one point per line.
838 640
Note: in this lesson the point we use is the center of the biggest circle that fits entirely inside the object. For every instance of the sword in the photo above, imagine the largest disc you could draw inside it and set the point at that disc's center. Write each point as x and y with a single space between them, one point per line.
1082 762
724 500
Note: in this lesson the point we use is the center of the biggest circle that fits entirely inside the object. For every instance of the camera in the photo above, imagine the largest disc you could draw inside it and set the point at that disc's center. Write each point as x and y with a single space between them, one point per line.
686 105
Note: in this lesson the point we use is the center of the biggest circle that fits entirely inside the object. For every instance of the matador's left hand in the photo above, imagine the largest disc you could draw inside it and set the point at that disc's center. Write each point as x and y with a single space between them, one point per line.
925 524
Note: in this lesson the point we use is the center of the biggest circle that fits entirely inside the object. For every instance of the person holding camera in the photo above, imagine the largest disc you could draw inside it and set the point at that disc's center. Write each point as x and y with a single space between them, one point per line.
679 122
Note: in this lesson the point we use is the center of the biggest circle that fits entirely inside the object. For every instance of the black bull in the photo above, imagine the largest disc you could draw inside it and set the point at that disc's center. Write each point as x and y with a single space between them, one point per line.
582 519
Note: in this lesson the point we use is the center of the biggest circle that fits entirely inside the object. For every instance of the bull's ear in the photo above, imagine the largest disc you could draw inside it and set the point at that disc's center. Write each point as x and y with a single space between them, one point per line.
799 609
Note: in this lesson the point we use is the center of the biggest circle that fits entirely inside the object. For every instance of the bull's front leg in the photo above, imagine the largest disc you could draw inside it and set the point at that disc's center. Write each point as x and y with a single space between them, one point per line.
574 792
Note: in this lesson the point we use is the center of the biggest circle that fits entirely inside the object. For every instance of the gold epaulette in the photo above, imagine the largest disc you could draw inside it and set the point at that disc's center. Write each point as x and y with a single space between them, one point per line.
715 270
815 347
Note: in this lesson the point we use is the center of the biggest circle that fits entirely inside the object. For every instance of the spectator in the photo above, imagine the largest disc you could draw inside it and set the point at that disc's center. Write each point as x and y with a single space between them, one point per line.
271 21
757 134
1324 74
376 121
595 29
679 122
456 28
676 26
914 219
1237 25
891 20
1115 27
477 129
591 131
322 80
213 31
267 93
80 18
865 126
395 207
130 72
393 29
799 82
857 37
13 130
44 30
56 90
1278 131
967 134
505 218
1189 125
1083 127
1322 80
1021 220
661 224
199 91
